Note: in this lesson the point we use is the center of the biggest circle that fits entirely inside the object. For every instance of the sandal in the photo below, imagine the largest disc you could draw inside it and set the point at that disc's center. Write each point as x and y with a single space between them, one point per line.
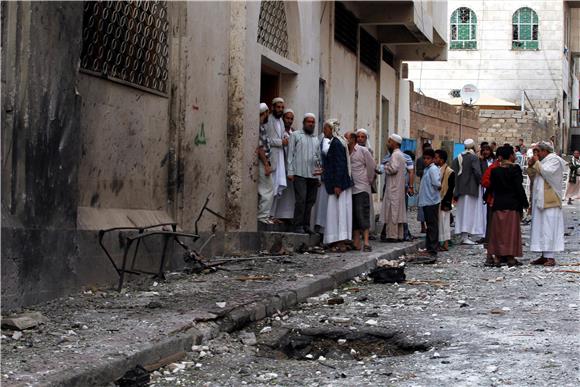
511 262
539 261
367 248
550 262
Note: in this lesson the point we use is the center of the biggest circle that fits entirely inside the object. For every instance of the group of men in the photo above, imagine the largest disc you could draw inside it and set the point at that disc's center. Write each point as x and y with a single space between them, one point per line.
328 182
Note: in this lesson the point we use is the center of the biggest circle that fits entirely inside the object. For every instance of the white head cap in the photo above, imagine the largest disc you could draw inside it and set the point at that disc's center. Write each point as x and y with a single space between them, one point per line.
263 107
309 115
362 130
469 143
288 110
277 100
396 138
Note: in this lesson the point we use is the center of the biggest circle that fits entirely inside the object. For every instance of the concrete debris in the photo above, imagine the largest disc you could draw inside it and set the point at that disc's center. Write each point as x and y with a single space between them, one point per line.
335 301
267 329
17 335
267 377
221 304
23 321
248 338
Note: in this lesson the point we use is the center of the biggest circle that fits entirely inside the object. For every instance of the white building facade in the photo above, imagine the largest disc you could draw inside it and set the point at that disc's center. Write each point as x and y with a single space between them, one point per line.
511 50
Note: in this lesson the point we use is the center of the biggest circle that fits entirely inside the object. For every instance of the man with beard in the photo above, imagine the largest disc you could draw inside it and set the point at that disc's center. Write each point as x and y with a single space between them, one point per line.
283 206
275 130
265 192
393 212
547 234
304 171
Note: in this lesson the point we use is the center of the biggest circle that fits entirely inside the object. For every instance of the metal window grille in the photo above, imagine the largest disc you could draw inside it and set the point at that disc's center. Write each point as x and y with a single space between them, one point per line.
127 41
525 29
272 27
463 29
370 50
455 93
345 26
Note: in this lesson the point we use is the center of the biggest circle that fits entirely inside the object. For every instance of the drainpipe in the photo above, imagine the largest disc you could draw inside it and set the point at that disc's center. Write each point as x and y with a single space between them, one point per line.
523 102
461 124
356 76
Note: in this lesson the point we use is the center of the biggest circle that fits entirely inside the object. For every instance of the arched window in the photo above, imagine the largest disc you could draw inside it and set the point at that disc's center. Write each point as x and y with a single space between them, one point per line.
525 29
463 29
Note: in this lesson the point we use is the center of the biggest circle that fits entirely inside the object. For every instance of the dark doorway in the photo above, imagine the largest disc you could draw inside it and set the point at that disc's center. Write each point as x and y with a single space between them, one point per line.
269 85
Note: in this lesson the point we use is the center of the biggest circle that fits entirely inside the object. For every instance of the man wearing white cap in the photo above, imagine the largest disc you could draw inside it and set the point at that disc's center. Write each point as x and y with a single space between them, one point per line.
547 233
393 212
275 130
471 214
265 189
362 139
283 206
304 171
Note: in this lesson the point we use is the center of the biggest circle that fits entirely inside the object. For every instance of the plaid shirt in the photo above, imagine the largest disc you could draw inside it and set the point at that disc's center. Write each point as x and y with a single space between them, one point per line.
264 141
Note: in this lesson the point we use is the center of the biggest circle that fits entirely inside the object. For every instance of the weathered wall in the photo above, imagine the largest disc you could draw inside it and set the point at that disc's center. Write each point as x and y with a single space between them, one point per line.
40 148
508 126
440 120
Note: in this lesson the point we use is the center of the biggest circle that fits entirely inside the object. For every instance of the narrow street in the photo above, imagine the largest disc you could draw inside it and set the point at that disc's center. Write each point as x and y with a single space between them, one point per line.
454 323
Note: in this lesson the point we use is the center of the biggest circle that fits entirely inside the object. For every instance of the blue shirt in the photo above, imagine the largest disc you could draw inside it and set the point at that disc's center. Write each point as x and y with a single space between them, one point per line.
430 184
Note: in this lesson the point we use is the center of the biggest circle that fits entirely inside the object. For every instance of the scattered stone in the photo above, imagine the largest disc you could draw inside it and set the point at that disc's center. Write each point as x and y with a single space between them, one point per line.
362 299
491 369
340 320
267 377
266 330
309 356
371 322
221 304
23 321
17 335
154 305
341 341
248 338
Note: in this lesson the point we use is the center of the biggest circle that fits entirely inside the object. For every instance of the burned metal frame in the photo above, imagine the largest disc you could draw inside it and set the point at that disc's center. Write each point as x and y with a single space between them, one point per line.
144 232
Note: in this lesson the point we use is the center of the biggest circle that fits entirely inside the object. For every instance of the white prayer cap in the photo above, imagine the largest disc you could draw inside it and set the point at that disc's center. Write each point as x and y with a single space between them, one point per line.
309 115
396 138
288 110
362 130
277 100
263 107
469 143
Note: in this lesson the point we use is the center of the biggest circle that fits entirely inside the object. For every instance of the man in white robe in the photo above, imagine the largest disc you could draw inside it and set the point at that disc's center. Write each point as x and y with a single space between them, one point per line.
362 139
468 193
275 130
547 232
283 206
393 210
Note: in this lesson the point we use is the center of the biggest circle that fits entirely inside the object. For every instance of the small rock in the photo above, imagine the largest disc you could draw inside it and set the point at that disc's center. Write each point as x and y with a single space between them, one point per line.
321 358
248 338
202 354
371 322
491 368
352 352
221 304
362 299
309 356
266 330
17 335
341 341
268 376
340 320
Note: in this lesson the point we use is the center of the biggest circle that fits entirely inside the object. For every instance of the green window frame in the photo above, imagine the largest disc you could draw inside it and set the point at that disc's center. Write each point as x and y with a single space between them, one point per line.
525 26
463 29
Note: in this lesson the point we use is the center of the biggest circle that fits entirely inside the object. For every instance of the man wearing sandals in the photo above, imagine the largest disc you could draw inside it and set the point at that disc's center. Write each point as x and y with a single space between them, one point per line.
363 173
547 233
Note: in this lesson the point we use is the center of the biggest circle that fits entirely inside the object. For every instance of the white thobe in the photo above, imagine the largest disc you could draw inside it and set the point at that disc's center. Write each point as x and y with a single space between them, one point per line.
471 215
338 218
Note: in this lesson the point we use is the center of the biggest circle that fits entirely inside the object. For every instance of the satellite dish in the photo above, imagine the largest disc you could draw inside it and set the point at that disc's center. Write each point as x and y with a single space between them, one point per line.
469 94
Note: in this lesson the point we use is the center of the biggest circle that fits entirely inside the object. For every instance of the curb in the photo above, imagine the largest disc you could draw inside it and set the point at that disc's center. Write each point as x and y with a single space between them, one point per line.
114 365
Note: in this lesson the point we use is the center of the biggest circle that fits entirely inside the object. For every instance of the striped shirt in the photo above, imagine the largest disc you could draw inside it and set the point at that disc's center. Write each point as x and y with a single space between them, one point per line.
303 154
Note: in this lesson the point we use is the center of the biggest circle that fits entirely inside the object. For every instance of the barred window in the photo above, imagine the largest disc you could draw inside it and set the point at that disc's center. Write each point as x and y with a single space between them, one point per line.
272 27
463 29
127 41
525 29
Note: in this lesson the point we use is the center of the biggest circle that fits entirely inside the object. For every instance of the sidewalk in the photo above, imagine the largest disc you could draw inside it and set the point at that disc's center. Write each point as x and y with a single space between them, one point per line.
93 338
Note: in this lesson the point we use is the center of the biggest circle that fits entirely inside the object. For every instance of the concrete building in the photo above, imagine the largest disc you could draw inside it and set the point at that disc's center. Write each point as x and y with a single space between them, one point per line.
513 51
123 114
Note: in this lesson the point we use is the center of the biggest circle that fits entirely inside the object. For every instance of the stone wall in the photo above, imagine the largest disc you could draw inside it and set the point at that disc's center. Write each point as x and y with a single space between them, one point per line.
508 126
439 121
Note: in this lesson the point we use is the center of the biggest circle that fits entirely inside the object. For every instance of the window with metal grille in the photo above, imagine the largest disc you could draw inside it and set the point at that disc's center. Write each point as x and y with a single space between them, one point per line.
370 50
272 27
345 26
388 57
463 29
525 29
127 42
455 93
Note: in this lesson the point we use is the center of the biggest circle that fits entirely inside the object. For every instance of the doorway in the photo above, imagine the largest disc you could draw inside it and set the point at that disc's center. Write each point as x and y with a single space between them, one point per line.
269 85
